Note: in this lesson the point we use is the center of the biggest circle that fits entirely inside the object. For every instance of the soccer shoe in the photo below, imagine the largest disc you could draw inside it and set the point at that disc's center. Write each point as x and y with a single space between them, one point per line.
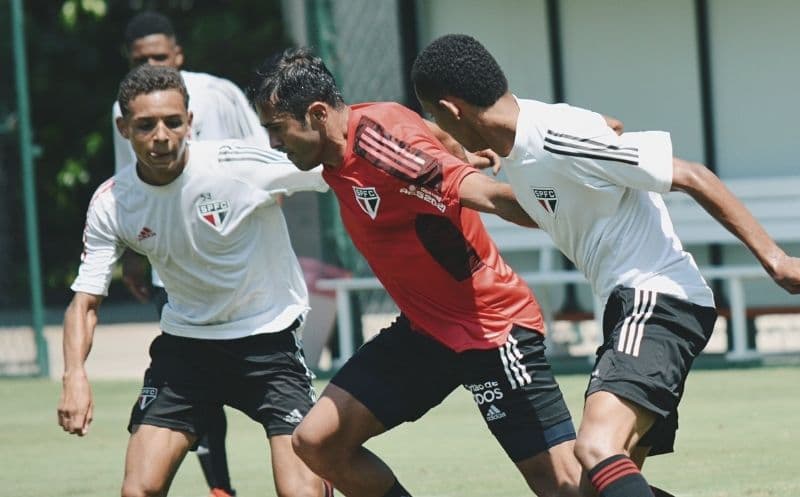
221 492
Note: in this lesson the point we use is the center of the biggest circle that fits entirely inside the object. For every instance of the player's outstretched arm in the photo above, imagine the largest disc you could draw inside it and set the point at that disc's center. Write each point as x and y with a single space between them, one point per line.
481 193
711 193
76 404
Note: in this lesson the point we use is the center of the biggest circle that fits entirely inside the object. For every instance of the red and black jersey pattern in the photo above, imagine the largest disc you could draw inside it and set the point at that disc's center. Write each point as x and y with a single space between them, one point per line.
447 245
396 157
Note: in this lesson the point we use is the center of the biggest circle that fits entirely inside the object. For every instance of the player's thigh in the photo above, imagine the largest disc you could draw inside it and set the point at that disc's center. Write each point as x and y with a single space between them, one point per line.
650 342
398 375
517 395
152 458
612 424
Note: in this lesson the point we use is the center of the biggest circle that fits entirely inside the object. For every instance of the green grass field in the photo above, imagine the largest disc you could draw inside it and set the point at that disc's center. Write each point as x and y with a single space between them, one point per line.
739 438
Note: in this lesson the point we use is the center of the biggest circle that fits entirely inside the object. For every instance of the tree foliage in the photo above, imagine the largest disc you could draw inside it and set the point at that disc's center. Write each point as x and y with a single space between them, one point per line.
75 62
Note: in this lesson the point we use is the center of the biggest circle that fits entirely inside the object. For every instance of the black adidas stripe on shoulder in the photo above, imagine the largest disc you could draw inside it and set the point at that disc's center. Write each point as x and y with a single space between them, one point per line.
564 144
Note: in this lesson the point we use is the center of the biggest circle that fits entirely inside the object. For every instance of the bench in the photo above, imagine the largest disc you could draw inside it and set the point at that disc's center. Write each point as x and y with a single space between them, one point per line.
775 202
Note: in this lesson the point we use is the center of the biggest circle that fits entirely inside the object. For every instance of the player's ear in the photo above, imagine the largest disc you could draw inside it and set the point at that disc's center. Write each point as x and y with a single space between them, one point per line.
450 107
317 112
190 118
178 56
122 126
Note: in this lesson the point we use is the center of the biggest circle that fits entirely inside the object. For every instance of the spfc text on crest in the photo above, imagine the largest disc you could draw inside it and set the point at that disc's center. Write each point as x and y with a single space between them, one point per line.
368 199
214 212
547 199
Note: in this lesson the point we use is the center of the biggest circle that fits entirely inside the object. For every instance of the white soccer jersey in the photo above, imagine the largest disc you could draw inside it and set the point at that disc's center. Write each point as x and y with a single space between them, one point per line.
221 112
598 196
215 235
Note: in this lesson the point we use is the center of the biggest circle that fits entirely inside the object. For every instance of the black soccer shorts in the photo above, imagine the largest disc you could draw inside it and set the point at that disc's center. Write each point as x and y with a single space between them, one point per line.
650 341
263 376
400 374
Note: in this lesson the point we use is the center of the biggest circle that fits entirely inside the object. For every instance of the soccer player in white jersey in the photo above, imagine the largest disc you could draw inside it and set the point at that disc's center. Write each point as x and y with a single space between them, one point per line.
596 193
221 111
205 215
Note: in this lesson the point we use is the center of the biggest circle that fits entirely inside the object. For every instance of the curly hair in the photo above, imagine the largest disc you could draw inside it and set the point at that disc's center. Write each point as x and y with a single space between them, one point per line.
458 65
291 81
146 79
145 24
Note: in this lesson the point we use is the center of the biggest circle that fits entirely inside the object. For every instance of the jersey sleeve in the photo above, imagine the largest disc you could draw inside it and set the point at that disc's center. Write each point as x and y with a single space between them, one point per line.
123 152
226 114
269 170
418 156
583 146
101 250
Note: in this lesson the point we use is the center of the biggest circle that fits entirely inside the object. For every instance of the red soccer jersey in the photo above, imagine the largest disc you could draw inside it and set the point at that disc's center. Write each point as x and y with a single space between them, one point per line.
398 195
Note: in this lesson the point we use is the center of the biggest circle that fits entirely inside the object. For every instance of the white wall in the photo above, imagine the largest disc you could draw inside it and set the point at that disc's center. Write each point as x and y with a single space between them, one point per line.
756 72
636 60
514 31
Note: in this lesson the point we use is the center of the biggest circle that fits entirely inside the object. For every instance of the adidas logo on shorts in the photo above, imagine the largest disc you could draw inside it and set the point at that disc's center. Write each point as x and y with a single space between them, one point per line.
493 413
293 417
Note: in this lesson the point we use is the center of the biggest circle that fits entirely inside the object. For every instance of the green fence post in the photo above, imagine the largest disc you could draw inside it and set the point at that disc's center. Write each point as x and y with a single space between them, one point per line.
28 185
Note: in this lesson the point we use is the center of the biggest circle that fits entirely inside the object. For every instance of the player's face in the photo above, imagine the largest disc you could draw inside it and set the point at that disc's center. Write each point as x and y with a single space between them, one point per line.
297 139
158 128
156 50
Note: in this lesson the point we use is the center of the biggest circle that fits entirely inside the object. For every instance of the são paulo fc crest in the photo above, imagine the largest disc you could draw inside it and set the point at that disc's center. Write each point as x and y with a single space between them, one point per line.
213 212
547 199
368 199
147 396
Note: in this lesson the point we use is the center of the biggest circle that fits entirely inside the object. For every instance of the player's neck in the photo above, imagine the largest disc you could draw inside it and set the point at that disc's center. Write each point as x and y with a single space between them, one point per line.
336 138
498 124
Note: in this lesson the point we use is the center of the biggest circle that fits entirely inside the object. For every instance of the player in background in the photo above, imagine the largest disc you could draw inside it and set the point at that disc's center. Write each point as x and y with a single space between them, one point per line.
466 318
221 111
205 214
597 194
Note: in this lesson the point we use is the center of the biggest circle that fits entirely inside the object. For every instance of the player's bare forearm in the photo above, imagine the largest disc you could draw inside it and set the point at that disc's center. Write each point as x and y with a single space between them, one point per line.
80 320
712 194
483 194
75 409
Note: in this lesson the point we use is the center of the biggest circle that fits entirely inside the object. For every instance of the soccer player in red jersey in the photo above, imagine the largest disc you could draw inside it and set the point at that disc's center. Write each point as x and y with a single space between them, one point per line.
466 317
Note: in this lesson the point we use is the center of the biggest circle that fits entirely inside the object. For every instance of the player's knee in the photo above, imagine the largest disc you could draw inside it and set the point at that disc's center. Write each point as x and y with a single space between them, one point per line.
591 450
313 448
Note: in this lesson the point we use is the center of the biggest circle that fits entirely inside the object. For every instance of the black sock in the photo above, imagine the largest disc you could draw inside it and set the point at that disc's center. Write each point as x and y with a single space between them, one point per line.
618 476
397 490
211 451
657 492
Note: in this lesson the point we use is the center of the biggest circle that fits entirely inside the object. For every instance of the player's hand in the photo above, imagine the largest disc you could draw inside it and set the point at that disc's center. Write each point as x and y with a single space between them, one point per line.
786 273
485 159
134 276
76 407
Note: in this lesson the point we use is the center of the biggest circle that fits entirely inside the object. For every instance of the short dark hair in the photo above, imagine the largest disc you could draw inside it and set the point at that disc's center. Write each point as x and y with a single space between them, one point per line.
145 79
145 24
458 65
291 81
